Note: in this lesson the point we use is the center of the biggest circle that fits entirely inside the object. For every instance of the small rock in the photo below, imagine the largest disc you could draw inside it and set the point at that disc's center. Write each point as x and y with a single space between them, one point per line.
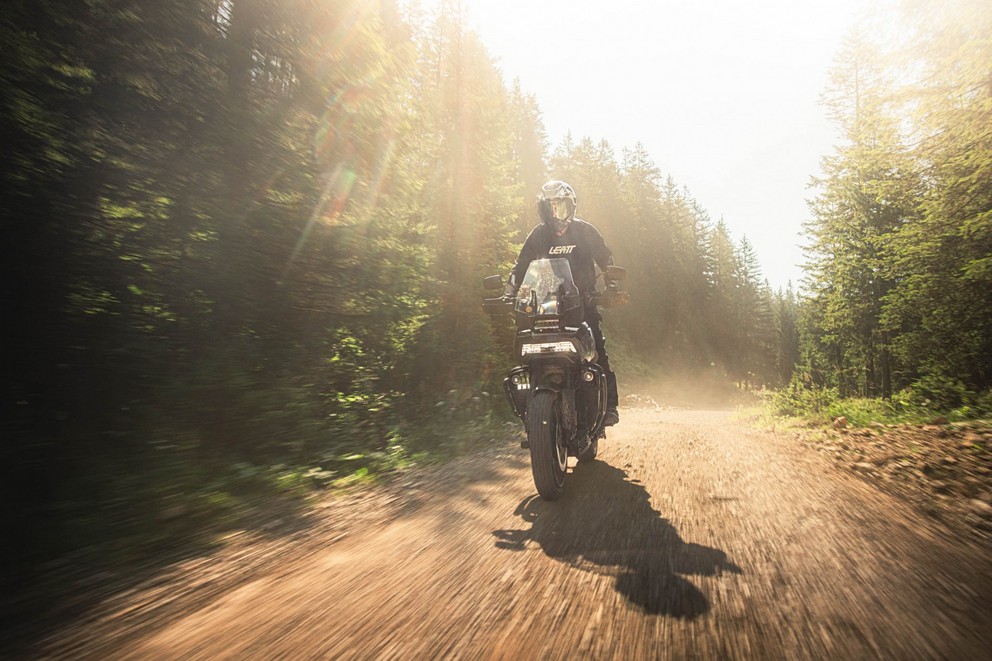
949 461
863 466
940 487
840 423
981 508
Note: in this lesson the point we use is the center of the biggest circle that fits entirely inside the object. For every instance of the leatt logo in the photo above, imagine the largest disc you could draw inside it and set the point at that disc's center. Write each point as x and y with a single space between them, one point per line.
561 250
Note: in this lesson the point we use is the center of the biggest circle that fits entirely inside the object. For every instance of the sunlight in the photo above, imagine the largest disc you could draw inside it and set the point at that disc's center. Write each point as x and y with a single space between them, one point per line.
333 139
723 94
332 201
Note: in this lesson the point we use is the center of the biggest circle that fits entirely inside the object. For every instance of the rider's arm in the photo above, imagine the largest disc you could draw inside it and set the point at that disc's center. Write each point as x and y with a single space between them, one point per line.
602 255
529 252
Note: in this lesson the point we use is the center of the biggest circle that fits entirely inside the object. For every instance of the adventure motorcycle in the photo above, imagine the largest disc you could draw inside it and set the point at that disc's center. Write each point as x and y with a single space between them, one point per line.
559 391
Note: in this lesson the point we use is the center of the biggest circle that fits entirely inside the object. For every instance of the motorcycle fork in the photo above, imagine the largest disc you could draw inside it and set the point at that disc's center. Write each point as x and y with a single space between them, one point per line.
559 379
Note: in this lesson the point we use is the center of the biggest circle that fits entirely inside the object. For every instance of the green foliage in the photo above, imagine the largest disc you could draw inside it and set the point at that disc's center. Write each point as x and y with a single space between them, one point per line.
982 407
803 399
920 403
937 393
898 292
862 411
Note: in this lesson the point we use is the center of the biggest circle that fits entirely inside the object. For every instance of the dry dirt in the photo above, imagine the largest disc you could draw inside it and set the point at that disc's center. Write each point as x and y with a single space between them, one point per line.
692 536
944 470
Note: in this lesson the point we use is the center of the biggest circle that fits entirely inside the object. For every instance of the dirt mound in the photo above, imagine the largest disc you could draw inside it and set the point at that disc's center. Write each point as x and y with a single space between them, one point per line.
942 469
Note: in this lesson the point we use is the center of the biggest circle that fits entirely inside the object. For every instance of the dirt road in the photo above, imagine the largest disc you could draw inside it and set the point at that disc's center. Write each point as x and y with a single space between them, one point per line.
692 537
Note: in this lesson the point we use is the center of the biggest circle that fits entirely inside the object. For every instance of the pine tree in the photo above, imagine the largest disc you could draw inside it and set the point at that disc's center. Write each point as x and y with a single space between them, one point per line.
942 261
866 193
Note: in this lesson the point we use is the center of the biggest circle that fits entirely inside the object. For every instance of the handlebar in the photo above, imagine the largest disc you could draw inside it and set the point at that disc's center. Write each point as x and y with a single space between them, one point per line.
610 298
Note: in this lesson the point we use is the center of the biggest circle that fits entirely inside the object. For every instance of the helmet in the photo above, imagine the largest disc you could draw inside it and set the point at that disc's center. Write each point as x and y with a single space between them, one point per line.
557 203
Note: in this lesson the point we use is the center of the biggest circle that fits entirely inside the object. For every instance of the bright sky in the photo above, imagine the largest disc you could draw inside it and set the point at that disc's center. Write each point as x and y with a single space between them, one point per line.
724 95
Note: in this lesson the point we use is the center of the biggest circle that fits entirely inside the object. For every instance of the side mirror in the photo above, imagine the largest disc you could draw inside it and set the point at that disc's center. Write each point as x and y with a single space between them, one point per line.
616 273
493 282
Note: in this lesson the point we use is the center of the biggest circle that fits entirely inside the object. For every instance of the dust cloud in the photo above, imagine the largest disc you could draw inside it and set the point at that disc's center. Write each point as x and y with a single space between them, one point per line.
686 389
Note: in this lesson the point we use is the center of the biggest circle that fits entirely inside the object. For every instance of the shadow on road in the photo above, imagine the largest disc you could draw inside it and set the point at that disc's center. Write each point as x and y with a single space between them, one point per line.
605 523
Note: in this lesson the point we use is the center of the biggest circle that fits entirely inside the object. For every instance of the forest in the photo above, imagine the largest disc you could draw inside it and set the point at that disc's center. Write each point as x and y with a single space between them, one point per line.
246 243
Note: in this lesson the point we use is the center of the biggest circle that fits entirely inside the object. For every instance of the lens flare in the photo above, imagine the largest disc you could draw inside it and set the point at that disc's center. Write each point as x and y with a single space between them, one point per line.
332 201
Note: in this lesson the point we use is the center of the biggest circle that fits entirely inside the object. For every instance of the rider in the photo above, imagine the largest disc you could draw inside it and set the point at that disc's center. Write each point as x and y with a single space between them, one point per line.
561 234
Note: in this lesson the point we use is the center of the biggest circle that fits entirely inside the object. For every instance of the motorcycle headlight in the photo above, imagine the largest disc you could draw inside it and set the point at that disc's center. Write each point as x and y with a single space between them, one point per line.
547 347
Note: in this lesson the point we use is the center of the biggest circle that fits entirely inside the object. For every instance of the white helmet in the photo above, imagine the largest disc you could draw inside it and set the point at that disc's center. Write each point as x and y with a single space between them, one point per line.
557 203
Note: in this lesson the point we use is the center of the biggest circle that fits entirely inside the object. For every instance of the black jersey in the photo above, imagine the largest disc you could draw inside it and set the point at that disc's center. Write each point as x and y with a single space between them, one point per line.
581 244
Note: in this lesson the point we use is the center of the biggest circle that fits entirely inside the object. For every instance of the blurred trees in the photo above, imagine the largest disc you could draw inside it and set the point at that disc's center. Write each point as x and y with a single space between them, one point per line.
241 231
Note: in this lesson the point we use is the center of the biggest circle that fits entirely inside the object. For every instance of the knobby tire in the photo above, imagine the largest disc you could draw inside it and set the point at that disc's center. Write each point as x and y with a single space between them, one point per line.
547 452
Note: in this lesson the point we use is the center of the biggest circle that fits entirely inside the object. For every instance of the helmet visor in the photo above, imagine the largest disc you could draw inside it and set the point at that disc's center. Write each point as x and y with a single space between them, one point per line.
562 208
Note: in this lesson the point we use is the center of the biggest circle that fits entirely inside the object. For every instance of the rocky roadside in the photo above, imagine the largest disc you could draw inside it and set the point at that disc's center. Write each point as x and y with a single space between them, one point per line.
945 470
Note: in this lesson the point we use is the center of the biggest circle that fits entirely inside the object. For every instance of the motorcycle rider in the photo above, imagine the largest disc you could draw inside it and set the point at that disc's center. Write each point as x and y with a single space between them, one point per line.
561 234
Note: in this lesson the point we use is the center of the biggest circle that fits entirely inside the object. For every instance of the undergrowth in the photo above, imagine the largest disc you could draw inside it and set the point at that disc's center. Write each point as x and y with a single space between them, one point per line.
164 498
924 401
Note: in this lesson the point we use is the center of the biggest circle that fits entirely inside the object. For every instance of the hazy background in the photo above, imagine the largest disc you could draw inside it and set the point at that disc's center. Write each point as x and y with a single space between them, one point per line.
745 131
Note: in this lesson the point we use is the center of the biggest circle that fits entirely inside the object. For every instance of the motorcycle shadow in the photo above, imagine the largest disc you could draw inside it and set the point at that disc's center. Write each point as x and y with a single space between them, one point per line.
605 524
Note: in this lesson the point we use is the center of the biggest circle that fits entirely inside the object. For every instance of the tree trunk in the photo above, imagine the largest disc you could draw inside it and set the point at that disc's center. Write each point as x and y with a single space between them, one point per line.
870 369
886 367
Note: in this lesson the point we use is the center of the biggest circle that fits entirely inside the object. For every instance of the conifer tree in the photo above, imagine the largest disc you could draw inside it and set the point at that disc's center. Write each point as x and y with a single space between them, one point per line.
866 194
942 262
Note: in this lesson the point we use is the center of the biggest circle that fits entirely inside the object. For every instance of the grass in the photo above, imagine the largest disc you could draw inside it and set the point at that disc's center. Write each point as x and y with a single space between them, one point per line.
918 404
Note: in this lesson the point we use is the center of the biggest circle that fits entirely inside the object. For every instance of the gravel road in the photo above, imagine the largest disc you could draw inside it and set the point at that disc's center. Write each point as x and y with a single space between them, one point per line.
692 536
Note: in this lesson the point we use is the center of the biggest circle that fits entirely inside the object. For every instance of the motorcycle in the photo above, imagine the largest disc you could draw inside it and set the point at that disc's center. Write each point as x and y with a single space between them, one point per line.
558 390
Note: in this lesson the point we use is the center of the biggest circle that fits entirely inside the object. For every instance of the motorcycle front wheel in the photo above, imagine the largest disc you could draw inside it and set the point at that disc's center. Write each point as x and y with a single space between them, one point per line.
548 452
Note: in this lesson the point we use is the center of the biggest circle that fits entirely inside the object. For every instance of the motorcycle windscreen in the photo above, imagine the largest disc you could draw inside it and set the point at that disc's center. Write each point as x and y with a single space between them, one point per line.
548 288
